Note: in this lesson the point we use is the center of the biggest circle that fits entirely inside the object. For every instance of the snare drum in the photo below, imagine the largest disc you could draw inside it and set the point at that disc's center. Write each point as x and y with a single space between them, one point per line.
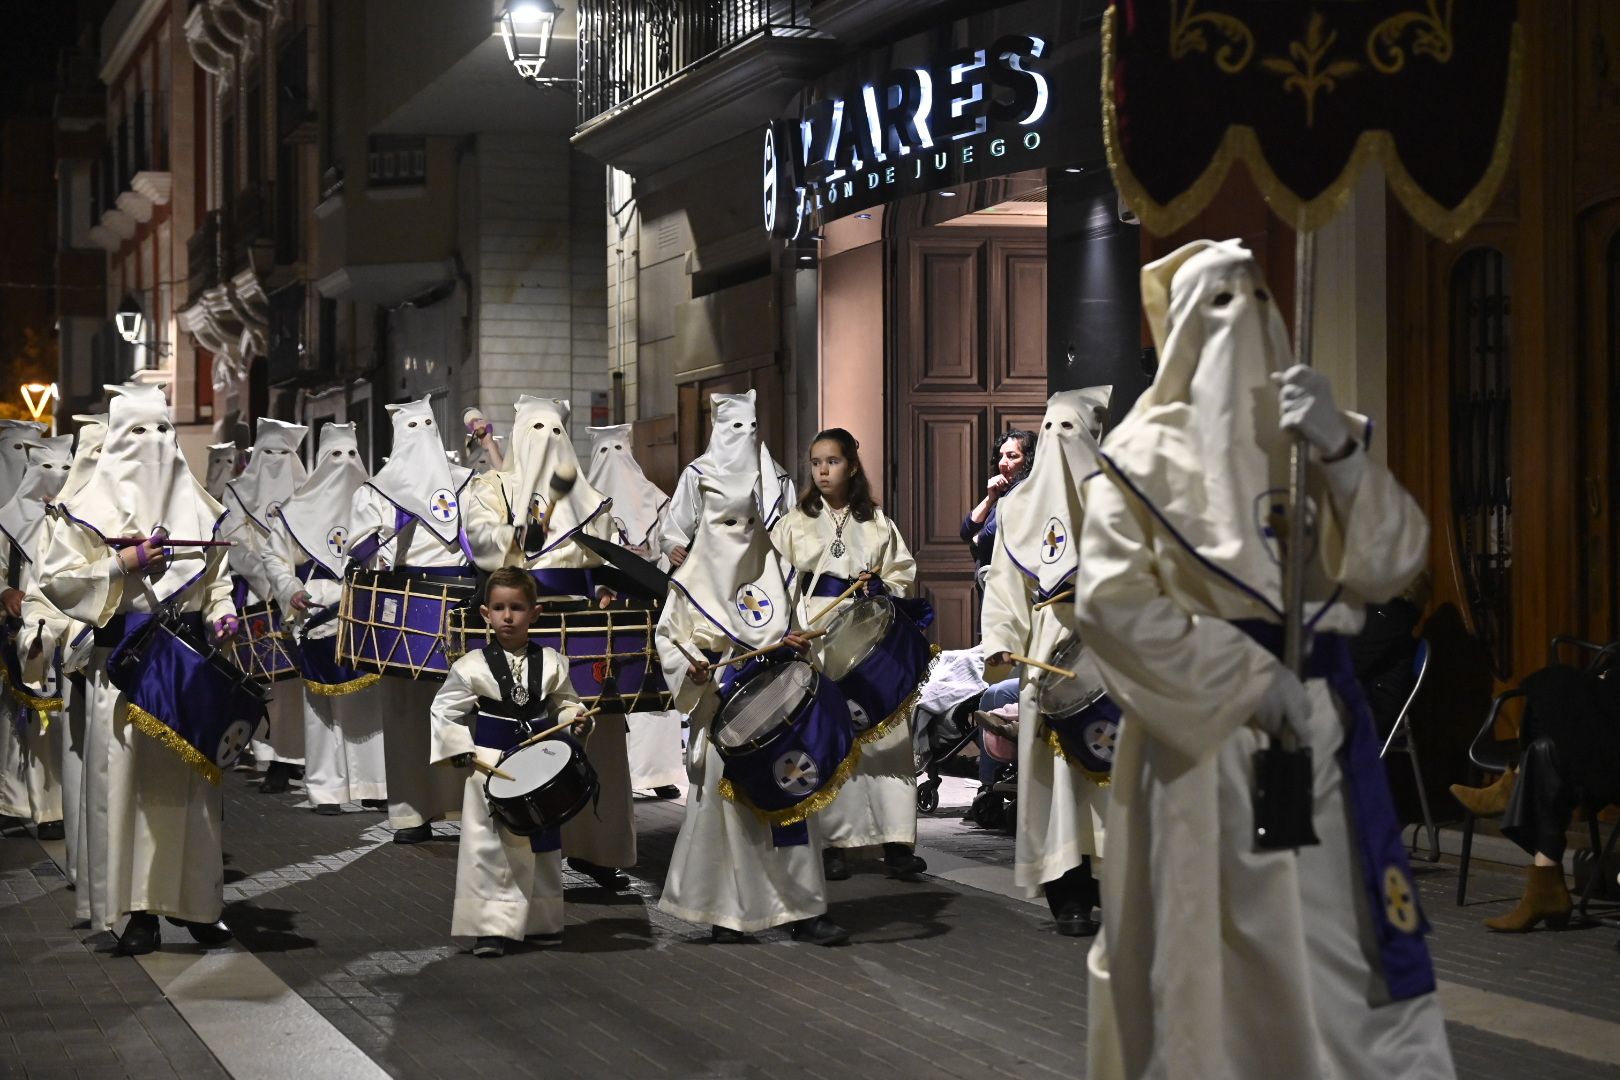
394 622
616 642
878 658
263 648
784 733
551 783
1082 722
186 694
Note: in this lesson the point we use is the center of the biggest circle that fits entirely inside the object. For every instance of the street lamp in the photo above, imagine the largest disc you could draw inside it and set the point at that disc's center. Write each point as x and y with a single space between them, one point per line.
526 27
131 321
37 396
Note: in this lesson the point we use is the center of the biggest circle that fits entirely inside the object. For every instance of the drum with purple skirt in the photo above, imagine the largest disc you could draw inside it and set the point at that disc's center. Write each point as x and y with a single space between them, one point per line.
1081 722
264 648
616 643
393 622
878 658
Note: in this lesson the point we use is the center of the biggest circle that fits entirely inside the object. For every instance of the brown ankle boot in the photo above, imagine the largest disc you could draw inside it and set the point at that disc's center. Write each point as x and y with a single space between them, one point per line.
1545 897
1490 800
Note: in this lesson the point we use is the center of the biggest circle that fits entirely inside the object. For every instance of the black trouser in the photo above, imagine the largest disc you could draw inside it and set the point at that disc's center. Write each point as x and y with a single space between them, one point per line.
1076 888
1539 809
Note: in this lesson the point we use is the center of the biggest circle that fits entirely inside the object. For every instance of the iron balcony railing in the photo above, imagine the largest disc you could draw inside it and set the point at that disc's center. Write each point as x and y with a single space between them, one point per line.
628 48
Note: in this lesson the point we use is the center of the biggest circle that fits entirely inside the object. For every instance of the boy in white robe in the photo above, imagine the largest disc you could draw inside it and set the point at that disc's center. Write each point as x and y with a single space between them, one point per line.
527 515
154 833
304 559
735 450
408 517
272 475
1220 960
730 598
1060 808
508 887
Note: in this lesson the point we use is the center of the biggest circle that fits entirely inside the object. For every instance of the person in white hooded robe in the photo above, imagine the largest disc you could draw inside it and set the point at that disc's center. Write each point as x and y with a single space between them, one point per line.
735 449
223 462
516 516
1219 960
654 743
304 560
726 870
31 743
408 517
273 473
1059 833
154 836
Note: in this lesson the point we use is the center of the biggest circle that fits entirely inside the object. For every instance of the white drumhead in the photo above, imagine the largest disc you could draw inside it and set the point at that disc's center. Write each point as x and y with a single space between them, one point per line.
1062 696
531 768
853 633
762 704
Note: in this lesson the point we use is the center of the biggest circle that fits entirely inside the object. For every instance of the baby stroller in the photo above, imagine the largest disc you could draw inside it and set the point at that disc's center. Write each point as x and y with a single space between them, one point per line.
942 725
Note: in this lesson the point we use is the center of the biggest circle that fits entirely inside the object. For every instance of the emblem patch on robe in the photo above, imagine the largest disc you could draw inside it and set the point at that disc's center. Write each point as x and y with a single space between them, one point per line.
1054 541
1271 523
1400 901
442 505
336 538
754 605
795 773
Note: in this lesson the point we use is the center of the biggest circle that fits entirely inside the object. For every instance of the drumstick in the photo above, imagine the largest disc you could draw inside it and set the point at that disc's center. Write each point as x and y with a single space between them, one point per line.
1049 601
690 659
136 541
845 595
771 648
550 731
490 770
1053 668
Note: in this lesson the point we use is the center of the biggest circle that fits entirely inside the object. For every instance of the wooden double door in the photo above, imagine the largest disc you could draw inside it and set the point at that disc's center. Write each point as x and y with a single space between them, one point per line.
966 319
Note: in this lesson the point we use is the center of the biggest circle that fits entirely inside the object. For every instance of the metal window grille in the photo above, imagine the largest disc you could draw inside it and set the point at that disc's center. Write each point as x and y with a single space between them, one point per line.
1481 443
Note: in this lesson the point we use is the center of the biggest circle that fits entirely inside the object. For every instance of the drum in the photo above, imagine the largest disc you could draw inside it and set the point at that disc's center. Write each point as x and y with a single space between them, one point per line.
1081 721
784 733
878 658
263 648
186 694
392 622
551 782
617 642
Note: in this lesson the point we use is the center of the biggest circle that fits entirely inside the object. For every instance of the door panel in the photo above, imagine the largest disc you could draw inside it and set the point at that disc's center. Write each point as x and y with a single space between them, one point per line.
1020 342
945 310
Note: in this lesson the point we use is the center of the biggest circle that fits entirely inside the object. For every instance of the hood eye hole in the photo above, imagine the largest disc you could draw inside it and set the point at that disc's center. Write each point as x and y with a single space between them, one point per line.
737 425
1049 425
1067 425
729 521
538 427
556 431
1222 299
427 423
138 430
616 446
411 424
1262 295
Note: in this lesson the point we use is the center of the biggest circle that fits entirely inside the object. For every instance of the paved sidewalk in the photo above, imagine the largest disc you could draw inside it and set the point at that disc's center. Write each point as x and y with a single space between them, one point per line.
950 977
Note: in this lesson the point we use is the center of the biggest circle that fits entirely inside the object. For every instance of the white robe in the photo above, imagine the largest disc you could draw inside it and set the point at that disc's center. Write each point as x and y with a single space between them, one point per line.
1218 962
153 823
416 793
1060 811
503 888
653 748
724 871
283 739
343 733
878 803
30 759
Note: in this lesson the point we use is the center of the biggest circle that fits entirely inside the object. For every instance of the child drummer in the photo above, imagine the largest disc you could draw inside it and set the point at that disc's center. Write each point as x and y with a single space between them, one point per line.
508 887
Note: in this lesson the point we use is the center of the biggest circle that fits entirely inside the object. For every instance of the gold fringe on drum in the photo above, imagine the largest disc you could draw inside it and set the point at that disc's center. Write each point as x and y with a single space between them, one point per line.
151 726
1101 779
353 686
878 730
798 812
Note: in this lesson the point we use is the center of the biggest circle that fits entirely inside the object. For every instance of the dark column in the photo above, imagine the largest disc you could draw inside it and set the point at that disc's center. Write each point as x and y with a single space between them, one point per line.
1093 299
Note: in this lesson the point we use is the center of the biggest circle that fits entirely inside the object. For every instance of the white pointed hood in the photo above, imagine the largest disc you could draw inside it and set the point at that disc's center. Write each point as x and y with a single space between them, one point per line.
317 515
222 459
273 472
92 434
14 435
417 477
736 448
22 516
540 446
614 471
1040 519
141 482
733 575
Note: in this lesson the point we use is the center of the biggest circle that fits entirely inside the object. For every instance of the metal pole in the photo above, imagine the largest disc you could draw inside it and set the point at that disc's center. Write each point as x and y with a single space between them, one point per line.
1293 582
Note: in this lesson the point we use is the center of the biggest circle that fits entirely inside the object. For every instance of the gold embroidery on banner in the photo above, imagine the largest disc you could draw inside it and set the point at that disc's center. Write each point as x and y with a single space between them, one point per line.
1432 35
154 728
1304 71
1241 144
1187 36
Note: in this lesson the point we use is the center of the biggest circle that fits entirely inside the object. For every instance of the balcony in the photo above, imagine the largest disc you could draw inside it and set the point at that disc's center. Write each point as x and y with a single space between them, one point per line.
286 335
203 260
659 83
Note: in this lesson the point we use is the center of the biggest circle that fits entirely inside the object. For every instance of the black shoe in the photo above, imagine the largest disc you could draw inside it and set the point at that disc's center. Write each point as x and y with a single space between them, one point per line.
725 935
608 877
208 935
547 941
490 947
1077 922
374 804
667 791
833 865
900 861
140 935
50 830
819 930
276 778
329 809
416 834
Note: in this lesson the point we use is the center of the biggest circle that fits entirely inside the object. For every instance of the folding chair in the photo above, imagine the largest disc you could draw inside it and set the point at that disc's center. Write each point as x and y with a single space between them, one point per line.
1400 740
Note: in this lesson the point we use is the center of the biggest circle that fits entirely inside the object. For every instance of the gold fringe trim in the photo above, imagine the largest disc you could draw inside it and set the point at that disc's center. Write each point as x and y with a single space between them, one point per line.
877 731
22 697
1240 143
1101 779
151 726
800 811
353 686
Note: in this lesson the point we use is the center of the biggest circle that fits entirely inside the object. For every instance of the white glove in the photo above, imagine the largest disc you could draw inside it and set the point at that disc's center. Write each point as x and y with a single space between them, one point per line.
1284 703
1305 407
